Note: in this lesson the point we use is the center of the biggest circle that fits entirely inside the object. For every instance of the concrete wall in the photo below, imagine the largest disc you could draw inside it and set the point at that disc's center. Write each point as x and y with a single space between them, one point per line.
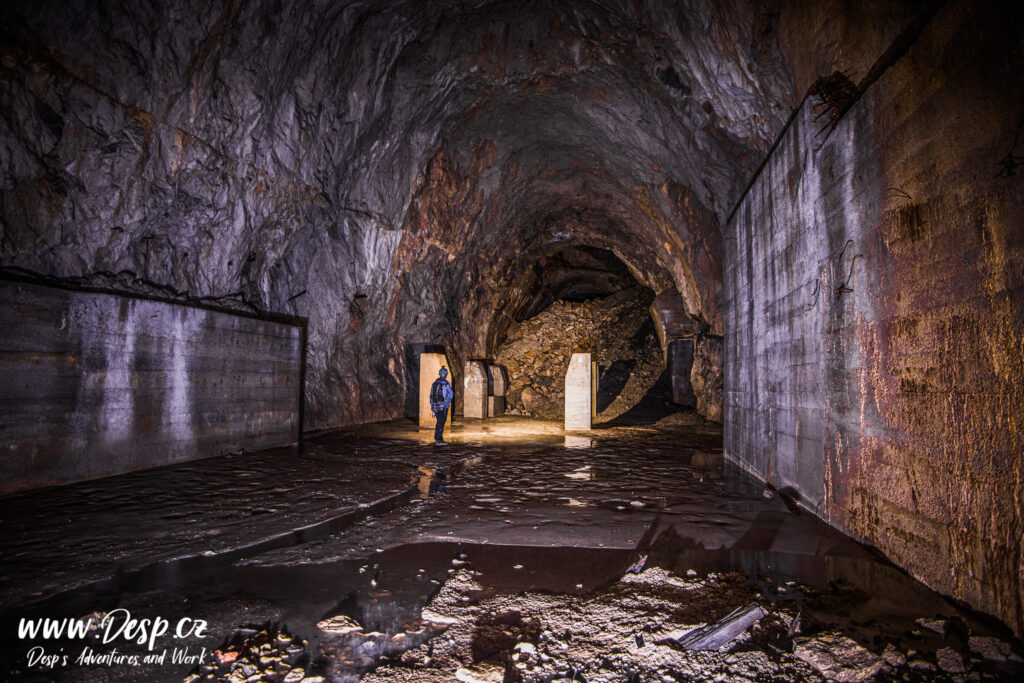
677 334
874 299
679 357
97 384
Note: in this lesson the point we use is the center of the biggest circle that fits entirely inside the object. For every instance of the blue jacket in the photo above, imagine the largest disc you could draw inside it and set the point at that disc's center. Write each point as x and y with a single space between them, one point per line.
449 395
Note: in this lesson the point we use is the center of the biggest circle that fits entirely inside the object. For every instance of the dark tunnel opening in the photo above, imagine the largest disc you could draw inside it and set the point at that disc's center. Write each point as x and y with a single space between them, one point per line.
578 298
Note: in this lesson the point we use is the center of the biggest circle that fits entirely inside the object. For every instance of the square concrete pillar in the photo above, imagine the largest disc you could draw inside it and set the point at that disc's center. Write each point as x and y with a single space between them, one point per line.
579 393
474 389
680 363
497 380
430 363
595 373
495 406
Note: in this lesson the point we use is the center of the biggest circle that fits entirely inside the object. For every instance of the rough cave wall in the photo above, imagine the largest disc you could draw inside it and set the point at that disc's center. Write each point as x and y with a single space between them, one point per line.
97 384
874 298
217 149
374 166
706 376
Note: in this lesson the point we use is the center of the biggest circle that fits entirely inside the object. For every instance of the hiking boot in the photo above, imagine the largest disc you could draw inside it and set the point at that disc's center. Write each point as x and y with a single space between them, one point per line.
440 443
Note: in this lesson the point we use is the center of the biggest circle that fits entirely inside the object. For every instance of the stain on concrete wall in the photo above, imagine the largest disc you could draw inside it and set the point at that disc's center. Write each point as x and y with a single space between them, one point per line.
874 298
96 384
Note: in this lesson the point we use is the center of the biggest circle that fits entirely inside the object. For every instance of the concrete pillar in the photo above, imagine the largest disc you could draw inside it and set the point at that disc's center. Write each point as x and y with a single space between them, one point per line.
497 380
430 363
671 319
495 406
676 332
474 389
497 385
680 362
595 373
412 375
579 393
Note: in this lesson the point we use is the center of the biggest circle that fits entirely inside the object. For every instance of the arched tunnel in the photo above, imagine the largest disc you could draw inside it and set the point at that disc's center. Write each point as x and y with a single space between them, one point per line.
235 235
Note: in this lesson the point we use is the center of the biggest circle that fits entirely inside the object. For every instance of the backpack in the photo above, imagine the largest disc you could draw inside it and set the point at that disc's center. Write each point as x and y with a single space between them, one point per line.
437 393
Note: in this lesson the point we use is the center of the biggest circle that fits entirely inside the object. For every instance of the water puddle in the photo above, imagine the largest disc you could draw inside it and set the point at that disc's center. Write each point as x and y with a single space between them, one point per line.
357 615
494 566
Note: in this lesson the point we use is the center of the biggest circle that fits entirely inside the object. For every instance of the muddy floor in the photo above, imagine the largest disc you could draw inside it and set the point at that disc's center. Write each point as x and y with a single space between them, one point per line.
519 553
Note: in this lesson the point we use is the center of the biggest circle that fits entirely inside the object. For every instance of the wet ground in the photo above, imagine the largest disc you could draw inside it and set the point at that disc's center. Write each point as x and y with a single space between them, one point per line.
373 554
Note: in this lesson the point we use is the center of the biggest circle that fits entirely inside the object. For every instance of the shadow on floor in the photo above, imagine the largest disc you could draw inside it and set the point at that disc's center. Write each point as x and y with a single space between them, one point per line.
655 405
613 381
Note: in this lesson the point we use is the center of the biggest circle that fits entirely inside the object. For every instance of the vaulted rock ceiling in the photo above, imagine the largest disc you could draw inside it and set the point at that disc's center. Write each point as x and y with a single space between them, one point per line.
388 169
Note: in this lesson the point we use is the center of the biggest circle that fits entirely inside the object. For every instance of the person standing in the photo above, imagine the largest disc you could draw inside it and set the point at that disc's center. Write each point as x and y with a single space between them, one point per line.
441 396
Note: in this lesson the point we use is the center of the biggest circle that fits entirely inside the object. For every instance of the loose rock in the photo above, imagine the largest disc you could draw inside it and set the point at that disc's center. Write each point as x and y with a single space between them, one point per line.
838 657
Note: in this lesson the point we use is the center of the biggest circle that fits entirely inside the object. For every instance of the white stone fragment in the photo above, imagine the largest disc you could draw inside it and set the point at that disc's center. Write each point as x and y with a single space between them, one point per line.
837 657
339 624
989 648
950 660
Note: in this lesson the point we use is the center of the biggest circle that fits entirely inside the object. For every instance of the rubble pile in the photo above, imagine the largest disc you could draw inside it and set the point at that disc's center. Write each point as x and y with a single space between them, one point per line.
264 654
636 630
617 329
627 632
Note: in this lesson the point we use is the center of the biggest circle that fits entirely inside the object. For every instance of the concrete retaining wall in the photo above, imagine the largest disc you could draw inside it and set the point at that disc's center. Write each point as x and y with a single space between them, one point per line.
874 300
98 384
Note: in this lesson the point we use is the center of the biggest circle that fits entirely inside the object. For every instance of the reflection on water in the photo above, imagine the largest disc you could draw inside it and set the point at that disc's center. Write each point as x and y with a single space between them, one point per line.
562 517
865 597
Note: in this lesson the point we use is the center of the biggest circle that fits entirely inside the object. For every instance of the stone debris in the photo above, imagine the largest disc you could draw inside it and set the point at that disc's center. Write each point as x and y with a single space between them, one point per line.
918 663
949 660
837 657
893 657
630 631
622 627
933 625
751 665
268 654
656 576
990 649
484 672
339 625
622 633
